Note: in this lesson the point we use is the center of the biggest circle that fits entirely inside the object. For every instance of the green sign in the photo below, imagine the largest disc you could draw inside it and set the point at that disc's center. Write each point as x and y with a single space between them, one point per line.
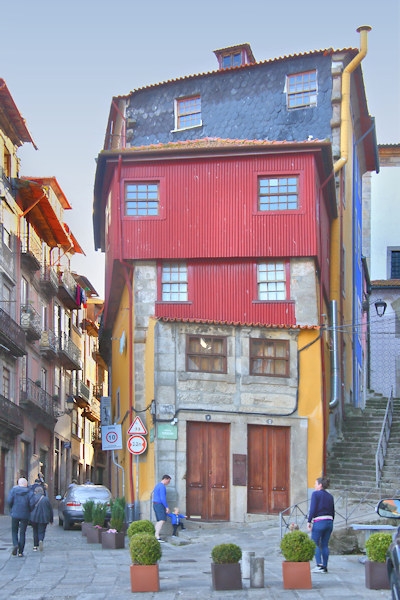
167 432
151 437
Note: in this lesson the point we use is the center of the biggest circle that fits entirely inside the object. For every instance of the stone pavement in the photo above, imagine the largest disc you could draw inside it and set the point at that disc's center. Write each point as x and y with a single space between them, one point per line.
71 569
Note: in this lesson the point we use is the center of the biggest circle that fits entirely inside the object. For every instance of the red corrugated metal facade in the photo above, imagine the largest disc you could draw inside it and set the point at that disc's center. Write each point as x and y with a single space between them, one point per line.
208 210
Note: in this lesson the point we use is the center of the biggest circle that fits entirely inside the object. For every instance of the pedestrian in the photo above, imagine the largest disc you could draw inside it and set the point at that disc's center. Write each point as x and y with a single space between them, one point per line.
176 520
41 516
320 522
18 500
39 481
160 505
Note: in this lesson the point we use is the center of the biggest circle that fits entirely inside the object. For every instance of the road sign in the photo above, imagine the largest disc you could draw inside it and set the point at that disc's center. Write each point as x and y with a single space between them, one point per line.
137 427
111 437
137 444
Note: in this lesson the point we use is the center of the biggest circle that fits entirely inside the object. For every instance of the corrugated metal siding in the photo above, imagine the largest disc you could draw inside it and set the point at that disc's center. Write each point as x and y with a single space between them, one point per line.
227 292
209 210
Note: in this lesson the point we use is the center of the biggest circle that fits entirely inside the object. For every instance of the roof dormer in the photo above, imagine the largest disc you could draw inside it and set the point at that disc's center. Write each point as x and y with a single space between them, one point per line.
234 56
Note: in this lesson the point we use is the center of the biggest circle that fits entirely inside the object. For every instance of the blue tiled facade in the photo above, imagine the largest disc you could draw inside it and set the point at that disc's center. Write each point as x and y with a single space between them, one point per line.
245 103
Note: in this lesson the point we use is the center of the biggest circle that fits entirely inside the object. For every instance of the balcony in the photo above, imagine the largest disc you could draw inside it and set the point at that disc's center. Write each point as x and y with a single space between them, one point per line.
69 354
83 395
11 417
48 344
48 280
12 336
93 411
37 402
31 252
7 256
31 322
97 356
67 289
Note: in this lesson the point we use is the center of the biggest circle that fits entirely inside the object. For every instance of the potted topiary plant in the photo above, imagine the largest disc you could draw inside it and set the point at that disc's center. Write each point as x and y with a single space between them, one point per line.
145 552
297 549
87 516
93 534
114 537
225 568
143 526
376 575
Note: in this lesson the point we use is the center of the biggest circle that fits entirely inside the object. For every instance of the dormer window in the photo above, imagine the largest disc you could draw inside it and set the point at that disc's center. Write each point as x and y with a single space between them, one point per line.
234 56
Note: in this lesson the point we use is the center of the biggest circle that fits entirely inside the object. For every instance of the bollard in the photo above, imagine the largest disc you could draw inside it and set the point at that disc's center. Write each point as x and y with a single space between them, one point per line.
257 572
246 556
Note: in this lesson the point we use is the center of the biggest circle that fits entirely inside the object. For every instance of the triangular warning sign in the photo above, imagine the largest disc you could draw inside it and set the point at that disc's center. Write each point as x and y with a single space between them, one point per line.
137 427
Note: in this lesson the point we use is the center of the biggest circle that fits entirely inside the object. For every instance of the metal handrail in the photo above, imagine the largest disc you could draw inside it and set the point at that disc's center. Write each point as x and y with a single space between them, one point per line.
383 439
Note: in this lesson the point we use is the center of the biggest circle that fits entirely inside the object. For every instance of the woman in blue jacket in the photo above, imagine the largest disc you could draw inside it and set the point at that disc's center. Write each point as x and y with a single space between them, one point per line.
320 522
41 515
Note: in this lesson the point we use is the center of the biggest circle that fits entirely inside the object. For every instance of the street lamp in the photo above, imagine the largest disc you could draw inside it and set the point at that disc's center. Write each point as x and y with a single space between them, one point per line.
380 307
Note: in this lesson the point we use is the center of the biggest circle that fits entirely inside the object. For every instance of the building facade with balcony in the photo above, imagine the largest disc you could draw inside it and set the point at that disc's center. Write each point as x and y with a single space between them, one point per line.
50 413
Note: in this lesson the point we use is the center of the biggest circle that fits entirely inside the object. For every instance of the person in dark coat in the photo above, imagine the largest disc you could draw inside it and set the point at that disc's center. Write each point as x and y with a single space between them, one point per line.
41 515
19 502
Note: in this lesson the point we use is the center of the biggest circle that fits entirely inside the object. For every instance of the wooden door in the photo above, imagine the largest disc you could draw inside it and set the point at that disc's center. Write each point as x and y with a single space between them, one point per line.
268 453
207 477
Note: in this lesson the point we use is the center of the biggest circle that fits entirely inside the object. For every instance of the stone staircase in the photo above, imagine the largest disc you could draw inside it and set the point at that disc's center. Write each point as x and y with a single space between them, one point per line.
351 461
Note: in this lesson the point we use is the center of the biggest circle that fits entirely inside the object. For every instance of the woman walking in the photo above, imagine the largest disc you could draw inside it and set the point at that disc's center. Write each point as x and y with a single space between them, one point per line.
41 515
320 522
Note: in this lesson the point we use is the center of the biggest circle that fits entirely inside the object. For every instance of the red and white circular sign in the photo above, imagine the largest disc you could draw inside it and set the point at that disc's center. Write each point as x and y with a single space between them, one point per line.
137 444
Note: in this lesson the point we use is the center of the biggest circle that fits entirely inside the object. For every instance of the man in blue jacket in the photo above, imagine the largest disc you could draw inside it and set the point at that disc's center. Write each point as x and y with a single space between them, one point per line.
160 505
18 501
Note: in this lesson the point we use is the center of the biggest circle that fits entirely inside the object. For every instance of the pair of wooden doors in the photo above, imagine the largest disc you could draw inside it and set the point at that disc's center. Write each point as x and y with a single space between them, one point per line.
208 470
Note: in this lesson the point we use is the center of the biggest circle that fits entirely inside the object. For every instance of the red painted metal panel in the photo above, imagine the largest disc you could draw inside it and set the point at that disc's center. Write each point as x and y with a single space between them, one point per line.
210 210
221 291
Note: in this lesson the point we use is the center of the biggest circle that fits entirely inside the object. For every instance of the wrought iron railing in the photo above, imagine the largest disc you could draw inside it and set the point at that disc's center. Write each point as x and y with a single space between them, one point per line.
68 346
11 414
12 331
32 393
31 245
30 319
383 439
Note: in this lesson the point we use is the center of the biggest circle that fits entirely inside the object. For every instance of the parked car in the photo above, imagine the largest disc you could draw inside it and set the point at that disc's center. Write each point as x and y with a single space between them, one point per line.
70 509
390 509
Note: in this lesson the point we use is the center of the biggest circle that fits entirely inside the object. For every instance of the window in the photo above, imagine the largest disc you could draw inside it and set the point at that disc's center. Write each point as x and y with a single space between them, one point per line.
6 382
174 283
271 281
232 60
142 199
277 193
7 163
188 112
269 357
206 354
393 263
301 89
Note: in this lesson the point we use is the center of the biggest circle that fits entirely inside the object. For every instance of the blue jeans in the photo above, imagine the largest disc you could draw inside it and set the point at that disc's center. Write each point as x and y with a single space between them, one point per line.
320 534
39 531
18 525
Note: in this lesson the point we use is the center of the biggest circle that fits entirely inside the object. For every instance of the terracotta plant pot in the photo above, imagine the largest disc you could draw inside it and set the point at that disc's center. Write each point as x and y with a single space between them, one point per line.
226 576
93 535
145 578
376 576
113 540
296 575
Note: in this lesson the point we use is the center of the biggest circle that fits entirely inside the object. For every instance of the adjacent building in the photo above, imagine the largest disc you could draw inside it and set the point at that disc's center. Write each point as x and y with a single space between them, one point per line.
229 207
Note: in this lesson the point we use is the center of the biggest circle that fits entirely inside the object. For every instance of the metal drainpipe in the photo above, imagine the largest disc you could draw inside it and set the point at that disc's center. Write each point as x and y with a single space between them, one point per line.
335 358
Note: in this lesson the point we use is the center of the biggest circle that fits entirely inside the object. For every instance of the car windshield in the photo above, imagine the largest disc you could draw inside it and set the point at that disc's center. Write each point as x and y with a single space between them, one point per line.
98 494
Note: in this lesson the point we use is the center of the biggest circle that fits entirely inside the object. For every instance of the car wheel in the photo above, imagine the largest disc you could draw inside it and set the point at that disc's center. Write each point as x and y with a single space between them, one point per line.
393 586
66 524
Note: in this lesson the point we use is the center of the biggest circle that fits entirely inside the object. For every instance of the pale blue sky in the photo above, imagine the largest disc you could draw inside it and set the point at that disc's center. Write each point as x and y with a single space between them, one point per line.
64 61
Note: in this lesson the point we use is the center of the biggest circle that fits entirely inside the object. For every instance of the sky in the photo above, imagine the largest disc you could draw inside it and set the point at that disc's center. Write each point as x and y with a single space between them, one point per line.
64 61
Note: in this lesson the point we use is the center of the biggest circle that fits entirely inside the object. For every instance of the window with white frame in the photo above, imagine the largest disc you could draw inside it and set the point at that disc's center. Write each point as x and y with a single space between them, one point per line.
142 199
187 112
6 382
174 282
271 280
301 89
277 193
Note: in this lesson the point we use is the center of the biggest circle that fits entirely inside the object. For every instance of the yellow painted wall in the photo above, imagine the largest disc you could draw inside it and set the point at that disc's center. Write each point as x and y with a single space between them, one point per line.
120 368
310 400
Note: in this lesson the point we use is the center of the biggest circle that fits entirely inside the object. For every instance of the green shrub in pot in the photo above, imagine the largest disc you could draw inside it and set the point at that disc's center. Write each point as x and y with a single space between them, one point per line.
99 514
377 546
88 511
143 526
145 549
226 554
117 515
296 546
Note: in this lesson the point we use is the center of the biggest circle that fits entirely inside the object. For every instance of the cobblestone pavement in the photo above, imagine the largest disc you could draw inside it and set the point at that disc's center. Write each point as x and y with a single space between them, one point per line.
71 569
